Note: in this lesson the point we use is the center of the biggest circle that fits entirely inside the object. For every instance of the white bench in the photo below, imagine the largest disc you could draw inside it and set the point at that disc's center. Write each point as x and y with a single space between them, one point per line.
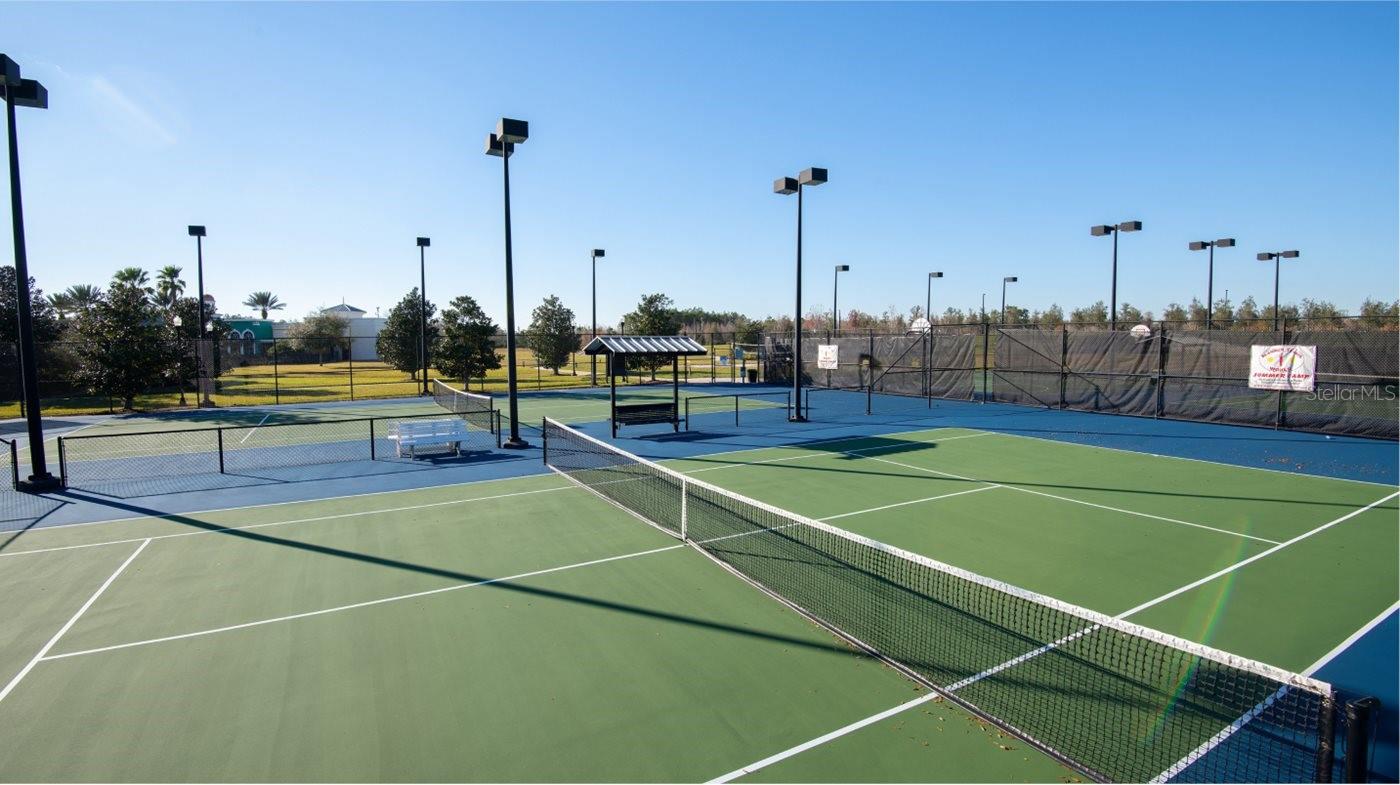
408 434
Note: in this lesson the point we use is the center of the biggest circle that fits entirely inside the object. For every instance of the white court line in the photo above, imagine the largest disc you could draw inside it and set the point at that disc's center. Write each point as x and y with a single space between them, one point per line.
255 428
338 516
1230 730
1076 501
905 504
820 740
1192 460
69 625
352 606
785 754
1353 638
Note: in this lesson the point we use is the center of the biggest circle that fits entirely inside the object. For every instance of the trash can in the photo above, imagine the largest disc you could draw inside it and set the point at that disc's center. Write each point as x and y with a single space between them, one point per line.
753 376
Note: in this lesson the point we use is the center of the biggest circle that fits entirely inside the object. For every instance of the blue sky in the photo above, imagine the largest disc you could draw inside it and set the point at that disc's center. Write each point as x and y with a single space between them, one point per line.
316 141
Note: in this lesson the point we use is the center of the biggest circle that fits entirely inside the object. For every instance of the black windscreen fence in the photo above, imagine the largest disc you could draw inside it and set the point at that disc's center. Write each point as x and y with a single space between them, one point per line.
1163 369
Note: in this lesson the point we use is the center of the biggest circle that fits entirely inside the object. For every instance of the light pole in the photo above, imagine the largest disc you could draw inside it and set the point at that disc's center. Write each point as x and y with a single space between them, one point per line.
928 299
1100 231
1274 257
984 307
1008 279
27 93
203 352
509 133
785 186
1224 242
597 254
835 284
423 242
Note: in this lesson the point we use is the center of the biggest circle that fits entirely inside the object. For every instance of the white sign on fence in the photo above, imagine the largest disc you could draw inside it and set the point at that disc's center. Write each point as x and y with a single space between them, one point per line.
1283 367
826 356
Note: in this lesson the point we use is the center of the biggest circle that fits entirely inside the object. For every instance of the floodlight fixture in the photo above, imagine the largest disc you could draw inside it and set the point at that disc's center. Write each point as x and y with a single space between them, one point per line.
512 131
1004 281
597 254
1103 230
1275 256
1201 245
812 176
424 242
9 71
785 185
835 283
197 231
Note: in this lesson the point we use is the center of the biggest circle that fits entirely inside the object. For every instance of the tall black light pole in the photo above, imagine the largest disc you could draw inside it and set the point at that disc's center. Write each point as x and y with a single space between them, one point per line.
509 133
1275 257
835 286
1224 242
27 93
597 254
785 186
984 307
928 299
203 351
1100 231
1008 279
423 242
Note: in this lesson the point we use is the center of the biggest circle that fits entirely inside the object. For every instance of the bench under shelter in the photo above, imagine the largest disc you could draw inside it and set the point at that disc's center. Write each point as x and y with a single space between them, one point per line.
618 349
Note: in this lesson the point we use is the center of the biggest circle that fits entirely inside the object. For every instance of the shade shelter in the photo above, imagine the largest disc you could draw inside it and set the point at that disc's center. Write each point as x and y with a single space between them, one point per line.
618 349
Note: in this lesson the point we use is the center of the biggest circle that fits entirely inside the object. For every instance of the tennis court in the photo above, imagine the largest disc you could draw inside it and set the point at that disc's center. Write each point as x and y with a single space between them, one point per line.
531 629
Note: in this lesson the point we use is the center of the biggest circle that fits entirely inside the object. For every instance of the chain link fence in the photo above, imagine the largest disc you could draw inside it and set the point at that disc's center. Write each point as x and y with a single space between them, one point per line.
1175 370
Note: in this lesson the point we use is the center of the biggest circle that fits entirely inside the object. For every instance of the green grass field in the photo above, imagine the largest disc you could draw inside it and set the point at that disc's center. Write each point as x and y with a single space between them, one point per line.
260 383
527 630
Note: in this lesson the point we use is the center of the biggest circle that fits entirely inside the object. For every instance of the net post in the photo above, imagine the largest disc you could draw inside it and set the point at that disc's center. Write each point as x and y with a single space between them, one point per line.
544 440
219 435
1358 719
62 463
1326 737
497 413
869 398
371 437
736 410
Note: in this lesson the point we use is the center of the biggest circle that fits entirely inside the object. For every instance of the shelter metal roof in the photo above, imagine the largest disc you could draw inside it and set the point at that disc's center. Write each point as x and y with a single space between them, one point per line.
644 344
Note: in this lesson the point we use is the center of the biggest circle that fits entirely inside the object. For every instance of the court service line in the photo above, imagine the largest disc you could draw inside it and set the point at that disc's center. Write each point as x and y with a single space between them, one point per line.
1078 501
337 516
752 767
255 428
353 606
905 504
69 625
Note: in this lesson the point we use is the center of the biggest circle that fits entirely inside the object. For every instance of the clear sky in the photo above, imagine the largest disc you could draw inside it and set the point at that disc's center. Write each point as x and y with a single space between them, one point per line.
316 141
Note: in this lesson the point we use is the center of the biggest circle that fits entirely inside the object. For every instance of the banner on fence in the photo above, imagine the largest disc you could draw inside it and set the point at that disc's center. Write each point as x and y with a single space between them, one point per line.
826 356
1283 367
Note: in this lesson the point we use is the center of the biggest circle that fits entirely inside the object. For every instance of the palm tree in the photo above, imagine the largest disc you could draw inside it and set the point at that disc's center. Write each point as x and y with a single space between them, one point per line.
264 301
133 276
63 303
81 296
169 286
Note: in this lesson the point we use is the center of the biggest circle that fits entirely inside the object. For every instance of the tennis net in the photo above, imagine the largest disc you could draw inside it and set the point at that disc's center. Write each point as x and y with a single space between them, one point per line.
480 410
1115 700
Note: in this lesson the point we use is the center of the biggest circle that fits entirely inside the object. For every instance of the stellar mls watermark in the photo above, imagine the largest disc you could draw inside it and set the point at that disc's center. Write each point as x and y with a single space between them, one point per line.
1378 392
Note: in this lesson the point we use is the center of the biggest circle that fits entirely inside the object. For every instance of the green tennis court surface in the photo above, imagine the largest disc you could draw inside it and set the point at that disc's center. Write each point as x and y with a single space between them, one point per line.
529 630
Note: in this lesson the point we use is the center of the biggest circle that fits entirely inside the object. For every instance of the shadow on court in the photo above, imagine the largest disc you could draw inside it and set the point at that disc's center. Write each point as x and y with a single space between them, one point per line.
497 583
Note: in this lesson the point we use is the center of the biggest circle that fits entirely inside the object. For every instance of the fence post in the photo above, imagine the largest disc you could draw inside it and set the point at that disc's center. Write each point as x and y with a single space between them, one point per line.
986 347
276 373
1161 369
1064 362
350 355
1280 337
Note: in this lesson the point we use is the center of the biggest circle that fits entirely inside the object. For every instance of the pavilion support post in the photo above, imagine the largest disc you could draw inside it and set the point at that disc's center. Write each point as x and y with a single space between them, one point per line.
676 393
612 394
